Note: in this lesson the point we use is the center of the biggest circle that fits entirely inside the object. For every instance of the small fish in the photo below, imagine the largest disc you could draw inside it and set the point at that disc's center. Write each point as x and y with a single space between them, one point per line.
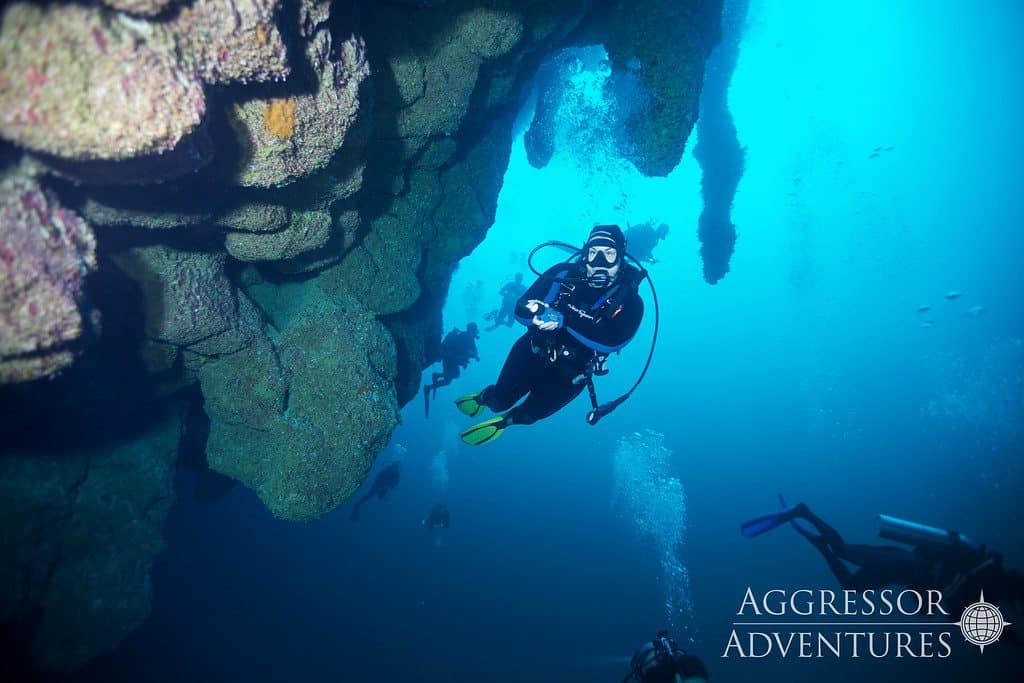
873 155
953 294
924 309
888 149
928 323
975 311
877 149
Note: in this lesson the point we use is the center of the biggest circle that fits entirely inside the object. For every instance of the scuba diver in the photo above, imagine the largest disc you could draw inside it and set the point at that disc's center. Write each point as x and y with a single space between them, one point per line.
643 238
457 349
576 314
385 480
439 517
510 294
437 522
663 661
936 559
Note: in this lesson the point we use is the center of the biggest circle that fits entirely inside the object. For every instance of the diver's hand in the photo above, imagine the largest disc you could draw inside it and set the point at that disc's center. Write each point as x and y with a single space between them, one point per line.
534 305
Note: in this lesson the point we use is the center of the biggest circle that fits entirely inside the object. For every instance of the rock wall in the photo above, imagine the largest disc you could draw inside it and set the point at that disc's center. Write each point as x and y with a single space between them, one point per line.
80 529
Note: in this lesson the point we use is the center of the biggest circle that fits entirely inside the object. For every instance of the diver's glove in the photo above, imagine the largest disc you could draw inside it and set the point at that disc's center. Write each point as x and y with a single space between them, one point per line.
545 318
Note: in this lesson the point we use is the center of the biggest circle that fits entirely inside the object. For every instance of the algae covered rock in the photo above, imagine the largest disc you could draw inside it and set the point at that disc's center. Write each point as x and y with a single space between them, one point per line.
232 41
306 449
80 531
140 7
667 42
433 61
188 300
46 251
255 217
306 231
286 138
78 87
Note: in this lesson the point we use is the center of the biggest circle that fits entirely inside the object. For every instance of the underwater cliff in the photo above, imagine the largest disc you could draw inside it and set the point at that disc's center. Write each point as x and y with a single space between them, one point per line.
255 206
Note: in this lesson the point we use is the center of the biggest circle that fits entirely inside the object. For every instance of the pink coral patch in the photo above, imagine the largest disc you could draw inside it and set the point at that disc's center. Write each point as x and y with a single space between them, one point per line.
101 40
35 77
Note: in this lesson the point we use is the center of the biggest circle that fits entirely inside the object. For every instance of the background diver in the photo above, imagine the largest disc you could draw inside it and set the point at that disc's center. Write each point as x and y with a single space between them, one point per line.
439 517
576 314
643 238
935 559
385 480
457 349
510 294
662 661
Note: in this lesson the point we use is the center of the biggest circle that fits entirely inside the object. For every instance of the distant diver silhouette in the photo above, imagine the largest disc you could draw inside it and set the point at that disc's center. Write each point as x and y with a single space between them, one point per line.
439 517
506 313
385 480
457 349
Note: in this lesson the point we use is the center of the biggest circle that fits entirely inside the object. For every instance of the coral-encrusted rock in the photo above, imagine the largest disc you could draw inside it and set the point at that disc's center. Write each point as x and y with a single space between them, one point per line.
140 7
434 59
255 217
381 271
306 457
77 87
312 14
80 530
343 235
287 138
670 42
45 253
99 213
308 230
232 41
188 300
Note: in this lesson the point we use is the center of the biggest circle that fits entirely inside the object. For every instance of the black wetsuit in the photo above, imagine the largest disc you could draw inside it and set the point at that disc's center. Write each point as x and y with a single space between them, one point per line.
505 315
642 239
457 349
438 517
543 365
882 565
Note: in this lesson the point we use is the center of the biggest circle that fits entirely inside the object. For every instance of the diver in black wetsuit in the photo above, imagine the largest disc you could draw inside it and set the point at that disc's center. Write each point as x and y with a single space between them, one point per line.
576 314
385 480
510 293
935 560
457 349
662 661
643 238
438 518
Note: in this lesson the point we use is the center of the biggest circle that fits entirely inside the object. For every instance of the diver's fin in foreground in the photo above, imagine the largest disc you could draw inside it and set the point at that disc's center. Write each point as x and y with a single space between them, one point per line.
772 520
486 431
470 404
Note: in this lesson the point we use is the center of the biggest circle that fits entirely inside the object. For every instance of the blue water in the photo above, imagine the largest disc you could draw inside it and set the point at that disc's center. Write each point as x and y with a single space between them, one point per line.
805 371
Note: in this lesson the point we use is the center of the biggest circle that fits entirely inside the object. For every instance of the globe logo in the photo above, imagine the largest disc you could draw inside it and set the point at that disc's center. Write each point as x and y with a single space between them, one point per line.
982 623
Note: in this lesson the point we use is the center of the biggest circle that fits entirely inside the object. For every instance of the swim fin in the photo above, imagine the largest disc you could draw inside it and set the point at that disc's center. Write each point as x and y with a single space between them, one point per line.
766 523
470 404
799 526
486 431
